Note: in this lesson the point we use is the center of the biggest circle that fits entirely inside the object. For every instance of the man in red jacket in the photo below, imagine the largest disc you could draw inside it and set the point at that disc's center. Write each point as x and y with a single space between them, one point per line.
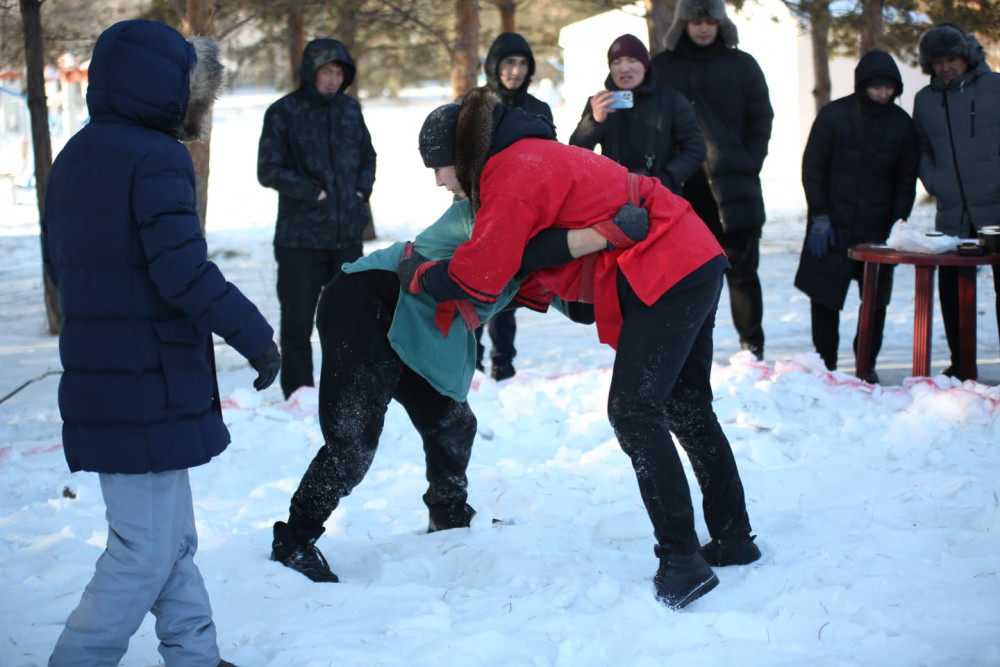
654 302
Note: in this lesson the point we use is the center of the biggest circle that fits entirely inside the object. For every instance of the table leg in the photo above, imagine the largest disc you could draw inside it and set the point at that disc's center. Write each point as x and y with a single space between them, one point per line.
862 363
923 316
967 322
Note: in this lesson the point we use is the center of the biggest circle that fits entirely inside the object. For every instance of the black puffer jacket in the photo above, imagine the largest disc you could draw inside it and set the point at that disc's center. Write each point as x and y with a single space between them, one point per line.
506 44
727 89
859 168
659 136
310 143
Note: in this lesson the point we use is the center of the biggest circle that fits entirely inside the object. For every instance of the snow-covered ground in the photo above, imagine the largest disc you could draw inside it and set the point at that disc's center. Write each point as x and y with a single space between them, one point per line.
876 507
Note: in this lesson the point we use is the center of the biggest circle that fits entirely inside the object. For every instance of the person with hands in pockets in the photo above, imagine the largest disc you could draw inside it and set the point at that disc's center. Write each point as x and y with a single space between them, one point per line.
316 151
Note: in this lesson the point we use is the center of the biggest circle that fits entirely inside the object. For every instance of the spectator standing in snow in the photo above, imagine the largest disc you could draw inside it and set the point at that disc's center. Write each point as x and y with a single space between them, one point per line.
654 302
957 116
658 136
380 343
727 89
315 150
138 396
859 172
509 66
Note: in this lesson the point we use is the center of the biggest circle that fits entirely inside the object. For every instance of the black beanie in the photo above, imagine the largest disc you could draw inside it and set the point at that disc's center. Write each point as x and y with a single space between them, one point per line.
437 136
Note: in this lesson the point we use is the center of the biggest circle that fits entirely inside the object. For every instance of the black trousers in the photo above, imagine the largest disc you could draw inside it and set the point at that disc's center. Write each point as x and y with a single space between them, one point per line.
948 295
661 383
302 273
746 301
826 320
502 328
360 374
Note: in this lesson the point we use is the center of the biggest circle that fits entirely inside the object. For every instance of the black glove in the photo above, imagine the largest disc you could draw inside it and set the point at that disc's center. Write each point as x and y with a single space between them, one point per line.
629 226
411 266
821 237
267 366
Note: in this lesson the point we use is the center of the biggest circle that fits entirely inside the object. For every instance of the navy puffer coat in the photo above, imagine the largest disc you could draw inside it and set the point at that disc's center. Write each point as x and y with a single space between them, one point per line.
123 242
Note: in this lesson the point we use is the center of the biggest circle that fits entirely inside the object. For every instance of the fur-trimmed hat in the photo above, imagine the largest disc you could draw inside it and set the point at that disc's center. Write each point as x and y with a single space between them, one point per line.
437 136
629 46
946 40
692 10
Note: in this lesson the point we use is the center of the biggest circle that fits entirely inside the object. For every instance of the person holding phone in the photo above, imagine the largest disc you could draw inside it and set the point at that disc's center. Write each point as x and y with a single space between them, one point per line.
649 129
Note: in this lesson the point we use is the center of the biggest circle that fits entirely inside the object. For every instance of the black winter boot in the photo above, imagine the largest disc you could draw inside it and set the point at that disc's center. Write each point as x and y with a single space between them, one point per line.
445 517
680 579
722 551
296 548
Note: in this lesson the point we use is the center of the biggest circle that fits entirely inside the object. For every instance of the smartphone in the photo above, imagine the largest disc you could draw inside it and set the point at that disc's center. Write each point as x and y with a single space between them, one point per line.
621 99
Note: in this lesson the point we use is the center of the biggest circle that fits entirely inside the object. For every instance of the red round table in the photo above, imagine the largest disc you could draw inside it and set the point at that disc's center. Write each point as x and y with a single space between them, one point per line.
924 264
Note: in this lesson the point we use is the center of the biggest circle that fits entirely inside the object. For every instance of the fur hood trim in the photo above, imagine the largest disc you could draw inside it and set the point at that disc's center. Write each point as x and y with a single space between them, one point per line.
945 40
206 83
691 10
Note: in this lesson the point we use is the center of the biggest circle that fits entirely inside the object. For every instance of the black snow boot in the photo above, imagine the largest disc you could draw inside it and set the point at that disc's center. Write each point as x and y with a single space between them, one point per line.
502 370
296 548
723 551
681 579
444 516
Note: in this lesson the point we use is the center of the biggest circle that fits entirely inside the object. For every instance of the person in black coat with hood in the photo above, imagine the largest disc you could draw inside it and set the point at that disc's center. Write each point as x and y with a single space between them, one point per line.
729 94
316 151
658 136
859 172
508 67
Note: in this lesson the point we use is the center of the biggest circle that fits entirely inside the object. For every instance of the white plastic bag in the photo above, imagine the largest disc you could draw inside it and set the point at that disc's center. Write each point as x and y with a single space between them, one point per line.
905 237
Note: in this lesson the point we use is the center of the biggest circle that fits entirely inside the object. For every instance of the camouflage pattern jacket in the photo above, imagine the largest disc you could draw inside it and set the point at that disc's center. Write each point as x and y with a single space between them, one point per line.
311 143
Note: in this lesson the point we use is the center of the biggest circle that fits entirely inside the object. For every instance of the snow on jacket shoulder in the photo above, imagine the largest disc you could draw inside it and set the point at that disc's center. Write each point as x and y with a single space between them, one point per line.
140 298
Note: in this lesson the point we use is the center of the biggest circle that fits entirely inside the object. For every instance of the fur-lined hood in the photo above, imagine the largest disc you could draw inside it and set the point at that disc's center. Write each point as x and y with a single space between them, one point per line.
145 73
945 40
691 10
485 127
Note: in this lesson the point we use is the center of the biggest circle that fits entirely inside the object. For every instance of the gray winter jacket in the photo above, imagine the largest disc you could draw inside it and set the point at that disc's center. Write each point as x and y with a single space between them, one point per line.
958 127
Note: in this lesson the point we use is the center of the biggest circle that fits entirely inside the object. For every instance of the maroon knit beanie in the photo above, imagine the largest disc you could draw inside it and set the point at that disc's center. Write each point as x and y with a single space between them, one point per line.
629 45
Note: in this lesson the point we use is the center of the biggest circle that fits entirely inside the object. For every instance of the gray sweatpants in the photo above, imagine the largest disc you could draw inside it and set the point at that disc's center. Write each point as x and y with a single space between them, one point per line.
147 566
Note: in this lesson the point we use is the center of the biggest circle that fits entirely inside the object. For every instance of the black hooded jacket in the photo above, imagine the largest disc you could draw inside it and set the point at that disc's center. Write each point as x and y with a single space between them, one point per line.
859 168
310 143
658 136
505 45
729 94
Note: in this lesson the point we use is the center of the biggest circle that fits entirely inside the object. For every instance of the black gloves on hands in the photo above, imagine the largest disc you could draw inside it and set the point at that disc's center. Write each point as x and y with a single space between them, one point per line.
629 226
821 237
412 265
267 366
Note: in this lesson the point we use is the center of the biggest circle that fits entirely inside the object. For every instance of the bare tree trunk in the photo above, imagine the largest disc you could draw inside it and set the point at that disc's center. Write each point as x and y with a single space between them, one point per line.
659 16
821 21
200 20
465 57
872 29
296 42
41 142
507 9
